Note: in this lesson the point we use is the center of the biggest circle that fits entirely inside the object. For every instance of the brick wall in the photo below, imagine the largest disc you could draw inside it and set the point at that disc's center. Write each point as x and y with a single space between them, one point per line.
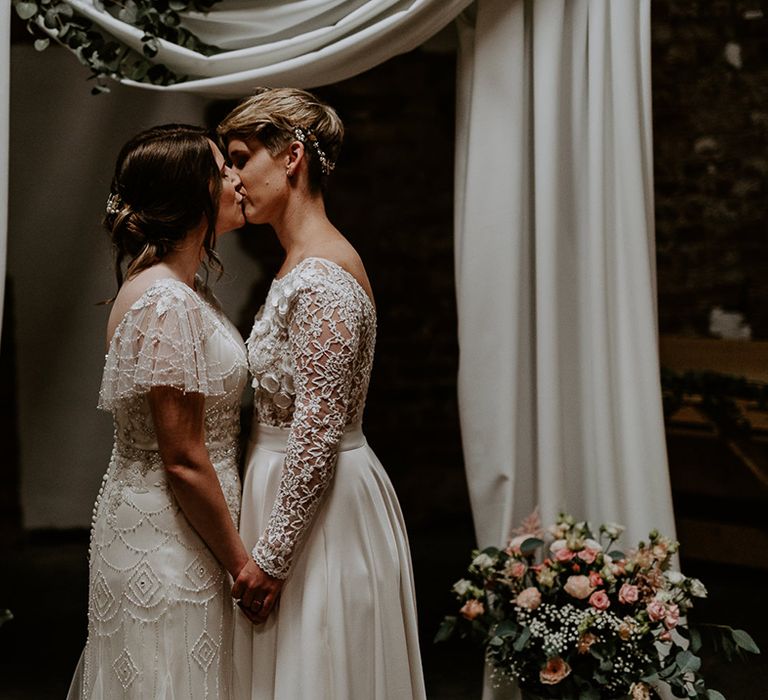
710 106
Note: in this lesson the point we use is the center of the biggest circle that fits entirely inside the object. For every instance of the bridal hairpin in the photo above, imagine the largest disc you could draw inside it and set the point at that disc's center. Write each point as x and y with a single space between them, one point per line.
306 135
114 203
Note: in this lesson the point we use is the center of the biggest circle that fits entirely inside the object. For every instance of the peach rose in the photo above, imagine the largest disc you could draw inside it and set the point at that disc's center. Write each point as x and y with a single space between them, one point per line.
563 555
672 617
665 636
640 691
530 598
472 608
599 600
628 594
595 579
585 642
587 555
578 587
656 610
625 630
555 670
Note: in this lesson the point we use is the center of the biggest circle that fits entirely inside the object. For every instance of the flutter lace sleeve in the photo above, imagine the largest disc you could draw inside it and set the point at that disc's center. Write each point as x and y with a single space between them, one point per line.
323 333
160 342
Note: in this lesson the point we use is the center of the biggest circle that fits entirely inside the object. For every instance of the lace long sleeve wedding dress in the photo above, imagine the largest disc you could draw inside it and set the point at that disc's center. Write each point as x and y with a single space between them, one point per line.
319 509
160 615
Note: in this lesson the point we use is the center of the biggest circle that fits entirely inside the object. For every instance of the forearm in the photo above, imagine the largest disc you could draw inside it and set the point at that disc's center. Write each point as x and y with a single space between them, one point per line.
198 492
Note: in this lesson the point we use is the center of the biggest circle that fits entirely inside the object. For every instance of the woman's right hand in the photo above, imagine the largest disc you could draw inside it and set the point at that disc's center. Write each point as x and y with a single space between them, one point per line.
256 592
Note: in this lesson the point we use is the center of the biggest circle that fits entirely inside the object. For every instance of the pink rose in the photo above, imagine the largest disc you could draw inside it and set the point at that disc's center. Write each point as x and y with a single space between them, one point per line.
628 594
665 636
595 579
517 569
578 586
472 608
672 617
656 610
530 598
563 555
555 670
599 600
587 555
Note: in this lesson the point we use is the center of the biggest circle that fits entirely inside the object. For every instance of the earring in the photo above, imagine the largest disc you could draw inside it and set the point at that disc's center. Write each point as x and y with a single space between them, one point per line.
288 172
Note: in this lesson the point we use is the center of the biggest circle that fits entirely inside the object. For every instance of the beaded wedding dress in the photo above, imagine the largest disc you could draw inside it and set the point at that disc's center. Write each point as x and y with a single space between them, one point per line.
319 509
159 606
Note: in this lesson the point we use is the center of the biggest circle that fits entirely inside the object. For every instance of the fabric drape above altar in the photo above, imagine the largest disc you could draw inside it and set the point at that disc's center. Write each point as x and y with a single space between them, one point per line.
305 43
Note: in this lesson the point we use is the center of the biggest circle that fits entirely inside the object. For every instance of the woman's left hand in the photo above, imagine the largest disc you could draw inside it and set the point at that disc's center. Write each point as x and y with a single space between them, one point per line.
256 592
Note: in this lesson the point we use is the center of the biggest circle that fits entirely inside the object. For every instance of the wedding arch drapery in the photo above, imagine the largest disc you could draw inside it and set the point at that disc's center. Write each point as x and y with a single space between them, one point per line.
272 42
559 377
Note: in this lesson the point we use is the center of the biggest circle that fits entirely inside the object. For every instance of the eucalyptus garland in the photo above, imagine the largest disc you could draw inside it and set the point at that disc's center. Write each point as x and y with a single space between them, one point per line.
106 56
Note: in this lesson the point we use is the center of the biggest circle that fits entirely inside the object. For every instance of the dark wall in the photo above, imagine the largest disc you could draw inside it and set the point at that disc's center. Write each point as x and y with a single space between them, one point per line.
710 107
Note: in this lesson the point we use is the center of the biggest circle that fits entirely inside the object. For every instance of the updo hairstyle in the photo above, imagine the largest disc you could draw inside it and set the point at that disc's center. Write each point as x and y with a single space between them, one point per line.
272 116
166 183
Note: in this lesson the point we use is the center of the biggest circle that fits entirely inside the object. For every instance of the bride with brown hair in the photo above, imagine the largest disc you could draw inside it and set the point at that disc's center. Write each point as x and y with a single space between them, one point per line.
318 509
164 532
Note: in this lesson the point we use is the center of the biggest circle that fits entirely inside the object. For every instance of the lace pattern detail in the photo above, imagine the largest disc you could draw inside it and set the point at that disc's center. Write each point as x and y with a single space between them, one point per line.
311 353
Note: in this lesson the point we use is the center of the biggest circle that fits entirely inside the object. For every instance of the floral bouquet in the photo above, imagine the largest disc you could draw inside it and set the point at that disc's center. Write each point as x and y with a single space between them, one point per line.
583 620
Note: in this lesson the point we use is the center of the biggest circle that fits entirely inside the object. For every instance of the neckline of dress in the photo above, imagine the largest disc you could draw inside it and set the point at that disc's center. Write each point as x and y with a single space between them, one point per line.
133 307
335 265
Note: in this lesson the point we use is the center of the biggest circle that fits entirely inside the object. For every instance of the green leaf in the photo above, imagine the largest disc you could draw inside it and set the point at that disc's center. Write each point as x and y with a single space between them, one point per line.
744 641
42 44
616 554
177 5
128 13
447 626
530 545
5 616
695 639
506 628
714 695
687 661
26 10
522 640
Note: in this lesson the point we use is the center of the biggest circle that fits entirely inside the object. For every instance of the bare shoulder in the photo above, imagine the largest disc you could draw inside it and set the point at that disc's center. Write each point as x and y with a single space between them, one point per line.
344 255
131 291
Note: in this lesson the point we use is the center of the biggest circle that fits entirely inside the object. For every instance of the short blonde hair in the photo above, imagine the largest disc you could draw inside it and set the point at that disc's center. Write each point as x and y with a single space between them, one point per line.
271 115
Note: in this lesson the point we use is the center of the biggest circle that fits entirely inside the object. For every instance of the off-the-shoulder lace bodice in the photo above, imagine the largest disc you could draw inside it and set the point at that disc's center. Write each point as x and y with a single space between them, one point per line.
310 353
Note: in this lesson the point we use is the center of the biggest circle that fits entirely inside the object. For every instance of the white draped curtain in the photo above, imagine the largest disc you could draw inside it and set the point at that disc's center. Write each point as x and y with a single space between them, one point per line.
559 379
304 43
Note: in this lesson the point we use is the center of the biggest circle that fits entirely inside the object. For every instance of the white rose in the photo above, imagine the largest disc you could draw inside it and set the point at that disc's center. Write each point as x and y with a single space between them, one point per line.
593 544
557 545
462 587
482 561
698 589
674 577
613 530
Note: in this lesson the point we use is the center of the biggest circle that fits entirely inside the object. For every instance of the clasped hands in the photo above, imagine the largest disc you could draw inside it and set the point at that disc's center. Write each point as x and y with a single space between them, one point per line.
256 592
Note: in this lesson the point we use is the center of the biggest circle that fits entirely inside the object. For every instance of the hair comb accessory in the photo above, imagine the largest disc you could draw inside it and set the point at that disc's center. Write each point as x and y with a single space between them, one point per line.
114 203
307 136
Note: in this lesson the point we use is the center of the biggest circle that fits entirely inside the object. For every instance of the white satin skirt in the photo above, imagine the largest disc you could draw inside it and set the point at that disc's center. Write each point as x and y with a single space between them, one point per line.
345 627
